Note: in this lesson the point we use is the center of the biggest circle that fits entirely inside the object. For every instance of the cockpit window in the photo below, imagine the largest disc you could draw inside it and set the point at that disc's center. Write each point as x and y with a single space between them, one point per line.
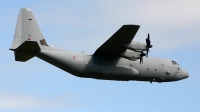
174 63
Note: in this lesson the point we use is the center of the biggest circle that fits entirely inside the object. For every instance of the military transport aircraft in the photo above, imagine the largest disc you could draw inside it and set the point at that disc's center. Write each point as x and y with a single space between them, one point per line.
119 58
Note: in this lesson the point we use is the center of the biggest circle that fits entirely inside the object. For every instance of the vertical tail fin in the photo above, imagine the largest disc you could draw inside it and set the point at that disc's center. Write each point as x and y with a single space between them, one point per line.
27 28
27 36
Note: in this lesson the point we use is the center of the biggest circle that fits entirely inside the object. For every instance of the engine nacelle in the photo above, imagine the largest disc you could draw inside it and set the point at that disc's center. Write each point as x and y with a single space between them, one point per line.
129 54
136 46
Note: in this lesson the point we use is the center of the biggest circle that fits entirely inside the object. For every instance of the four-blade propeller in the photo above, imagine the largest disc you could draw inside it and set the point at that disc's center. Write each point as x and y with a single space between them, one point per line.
148 42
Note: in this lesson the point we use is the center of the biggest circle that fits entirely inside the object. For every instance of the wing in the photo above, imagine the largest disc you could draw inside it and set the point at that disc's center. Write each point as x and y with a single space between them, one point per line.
113 45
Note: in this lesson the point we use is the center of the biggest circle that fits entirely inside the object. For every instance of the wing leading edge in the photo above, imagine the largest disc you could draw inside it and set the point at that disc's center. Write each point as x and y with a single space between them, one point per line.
114 44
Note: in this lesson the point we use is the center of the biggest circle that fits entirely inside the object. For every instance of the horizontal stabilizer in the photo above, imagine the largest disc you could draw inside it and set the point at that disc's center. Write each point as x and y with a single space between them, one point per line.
26 51
28 46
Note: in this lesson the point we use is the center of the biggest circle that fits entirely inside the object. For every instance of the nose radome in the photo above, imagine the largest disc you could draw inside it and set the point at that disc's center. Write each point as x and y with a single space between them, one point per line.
185 74
181 75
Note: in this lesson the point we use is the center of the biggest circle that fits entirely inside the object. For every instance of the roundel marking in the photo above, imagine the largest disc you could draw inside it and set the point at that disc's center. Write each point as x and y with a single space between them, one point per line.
74 57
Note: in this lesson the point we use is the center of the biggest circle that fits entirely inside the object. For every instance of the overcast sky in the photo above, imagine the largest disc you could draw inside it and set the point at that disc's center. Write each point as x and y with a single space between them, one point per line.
83 25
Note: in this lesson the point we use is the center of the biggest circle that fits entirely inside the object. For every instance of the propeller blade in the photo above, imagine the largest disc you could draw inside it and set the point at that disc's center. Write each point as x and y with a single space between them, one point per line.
141 60
141 57
147 51
148 42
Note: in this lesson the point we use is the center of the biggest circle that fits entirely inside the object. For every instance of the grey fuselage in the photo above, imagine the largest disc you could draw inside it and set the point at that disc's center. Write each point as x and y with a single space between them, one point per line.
116 59
109 68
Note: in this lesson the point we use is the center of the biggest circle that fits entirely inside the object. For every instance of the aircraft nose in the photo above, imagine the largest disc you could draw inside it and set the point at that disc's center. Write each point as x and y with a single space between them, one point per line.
185 74
181 75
